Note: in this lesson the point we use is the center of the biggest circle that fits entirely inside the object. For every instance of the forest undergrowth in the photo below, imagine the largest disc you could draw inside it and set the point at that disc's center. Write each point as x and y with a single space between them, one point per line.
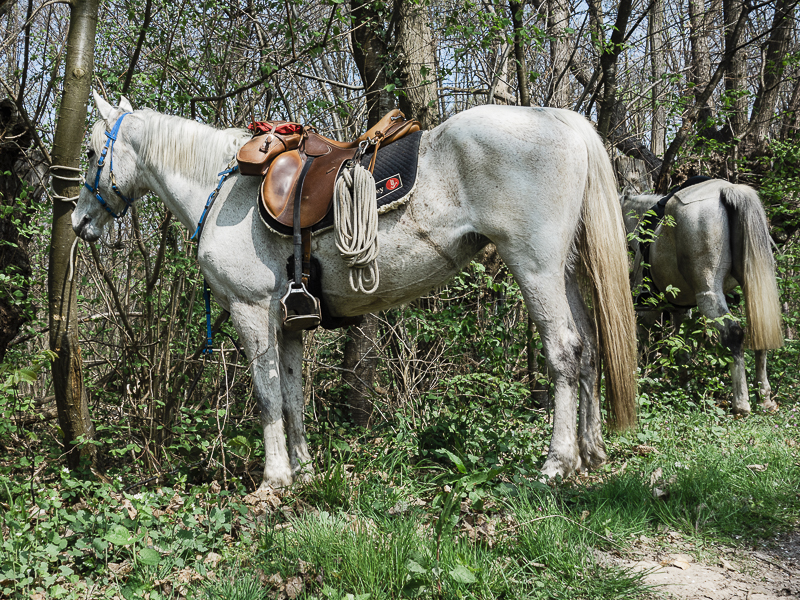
440 500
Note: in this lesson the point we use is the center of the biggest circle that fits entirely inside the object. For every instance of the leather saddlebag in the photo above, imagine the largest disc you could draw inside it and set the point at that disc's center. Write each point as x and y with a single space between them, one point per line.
256 156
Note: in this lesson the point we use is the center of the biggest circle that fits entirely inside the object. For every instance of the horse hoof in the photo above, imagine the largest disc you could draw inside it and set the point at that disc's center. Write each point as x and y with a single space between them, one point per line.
591 459
553 468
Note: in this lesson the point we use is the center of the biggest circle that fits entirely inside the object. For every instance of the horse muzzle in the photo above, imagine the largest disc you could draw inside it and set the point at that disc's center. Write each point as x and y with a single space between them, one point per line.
86 228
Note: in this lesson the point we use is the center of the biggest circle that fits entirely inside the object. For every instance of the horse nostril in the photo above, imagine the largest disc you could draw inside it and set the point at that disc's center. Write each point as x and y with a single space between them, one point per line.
82 225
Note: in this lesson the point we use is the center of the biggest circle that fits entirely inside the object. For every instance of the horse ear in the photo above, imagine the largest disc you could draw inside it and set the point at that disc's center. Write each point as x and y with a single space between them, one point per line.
103 107
124 104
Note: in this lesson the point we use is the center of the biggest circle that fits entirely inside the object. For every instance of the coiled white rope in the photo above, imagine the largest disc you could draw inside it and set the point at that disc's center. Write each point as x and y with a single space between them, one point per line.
355 213
72 179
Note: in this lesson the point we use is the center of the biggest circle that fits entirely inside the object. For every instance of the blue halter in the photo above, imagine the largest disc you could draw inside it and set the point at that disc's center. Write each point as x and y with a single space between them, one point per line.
112 137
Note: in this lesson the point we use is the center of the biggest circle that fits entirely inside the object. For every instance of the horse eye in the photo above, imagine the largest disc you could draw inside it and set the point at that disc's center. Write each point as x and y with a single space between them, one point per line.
90 154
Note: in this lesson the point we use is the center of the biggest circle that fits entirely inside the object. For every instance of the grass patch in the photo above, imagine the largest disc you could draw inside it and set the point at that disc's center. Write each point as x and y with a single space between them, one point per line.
383 521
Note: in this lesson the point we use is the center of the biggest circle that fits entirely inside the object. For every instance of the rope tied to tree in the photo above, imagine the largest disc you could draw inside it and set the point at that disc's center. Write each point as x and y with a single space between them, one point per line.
72 179
355 212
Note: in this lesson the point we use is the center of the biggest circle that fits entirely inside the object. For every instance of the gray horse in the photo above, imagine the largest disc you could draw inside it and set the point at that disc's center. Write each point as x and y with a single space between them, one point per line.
537 183
717 238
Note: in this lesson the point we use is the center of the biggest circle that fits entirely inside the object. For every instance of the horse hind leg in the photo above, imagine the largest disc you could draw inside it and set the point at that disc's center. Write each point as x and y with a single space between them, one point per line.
546 299
764 389
713 306
590 435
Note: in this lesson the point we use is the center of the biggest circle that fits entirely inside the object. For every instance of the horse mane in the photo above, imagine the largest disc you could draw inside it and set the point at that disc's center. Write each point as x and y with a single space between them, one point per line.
197 150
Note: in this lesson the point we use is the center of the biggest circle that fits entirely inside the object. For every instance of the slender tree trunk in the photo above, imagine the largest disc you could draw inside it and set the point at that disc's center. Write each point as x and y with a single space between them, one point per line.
608 63
767 96
658 68
16 160
370 55
735 84
516 10
71 400
791 117
417 64
557 22
701 59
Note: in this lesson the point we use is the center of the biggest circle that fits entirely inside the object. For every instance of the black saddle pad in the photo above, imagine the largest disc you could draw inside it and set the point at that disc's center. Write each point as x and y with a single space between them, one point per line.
395 173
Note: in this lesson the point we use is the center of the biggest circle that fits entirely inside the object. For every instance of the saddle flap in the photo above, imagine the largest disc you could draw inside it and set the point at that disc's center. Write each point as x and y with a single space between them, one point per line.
280 184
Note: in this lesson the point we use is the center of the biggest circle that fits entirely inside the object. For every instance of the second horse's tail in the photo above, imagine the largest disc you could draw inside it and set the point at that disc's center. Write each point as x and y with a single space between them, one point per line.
764 324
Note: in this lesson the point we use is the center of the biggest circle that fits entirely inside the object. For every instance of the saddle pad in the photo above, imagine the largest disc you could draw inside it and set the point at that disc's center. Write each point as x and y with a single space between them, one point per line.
707 190
395 174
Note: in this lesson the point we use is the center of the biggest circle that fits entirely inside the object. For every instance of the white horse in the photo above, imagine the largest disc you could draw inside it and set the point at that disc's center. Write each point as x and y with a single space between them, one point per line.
536 182
718 239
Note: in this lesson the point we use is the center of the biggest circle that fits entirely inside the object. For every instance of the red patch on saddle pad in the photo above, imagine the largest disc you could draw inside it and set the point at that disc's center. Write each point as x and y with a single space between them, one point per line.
392 184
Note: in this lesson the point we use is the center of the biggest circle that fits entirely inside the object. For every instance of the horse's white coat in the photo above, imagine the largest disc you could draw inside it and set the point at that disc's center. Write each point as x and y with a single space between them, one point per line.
720 239
522 178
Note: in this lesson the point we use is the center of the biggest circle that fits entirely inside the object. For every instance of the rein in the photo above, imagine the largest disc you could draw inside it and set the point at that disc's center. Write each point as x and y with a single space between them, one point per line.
111 137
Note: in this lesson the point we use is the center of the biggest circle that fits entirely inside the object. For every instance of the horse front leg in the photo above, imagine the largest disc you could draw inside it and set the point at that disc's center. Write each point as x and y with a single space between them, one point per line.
291 343
257 329
764 389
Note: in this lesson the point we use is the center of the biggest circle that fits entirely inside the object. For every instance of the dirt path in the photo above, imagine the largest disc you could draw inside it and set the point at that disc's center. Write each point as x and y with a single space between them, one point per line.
771 571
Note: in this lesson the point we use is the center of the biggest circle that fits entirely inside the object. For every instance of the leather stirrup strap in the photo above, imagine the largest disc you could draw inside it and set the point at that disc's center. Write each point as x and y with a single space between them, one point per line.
298 237
306 235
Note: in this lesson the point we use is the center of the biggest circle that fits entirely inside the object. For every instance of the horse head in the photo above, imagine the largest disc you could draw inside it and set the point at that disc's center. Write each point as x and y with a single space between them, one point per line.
110 187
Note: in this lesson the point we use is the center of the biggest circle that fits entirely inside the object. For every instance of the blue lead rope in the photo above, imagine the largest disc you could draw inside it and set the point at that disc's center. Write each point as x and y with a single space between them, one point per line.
210 202
209 334
197 233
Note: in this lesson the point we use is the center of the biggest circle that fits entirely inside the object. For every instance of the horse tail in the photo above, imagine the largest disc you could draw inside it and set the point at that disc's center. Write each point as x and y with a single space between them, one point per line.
604 255
765 326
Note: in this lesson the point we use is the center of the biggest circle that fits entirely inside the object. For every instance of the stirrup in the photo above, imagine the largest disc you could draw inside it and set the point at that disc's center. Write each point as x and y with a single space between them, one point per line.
300 309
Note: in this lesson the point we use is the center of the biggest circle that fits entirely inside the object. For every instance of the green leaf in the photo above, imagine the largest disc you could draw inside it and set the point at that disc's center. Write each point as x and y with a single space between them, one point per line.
120 536
149 556
462 574
415 567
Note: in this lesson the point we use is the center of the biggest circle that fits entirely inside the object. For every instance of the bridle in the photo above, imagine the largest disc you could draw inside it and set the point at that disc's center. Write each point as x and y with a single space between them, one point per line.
112 137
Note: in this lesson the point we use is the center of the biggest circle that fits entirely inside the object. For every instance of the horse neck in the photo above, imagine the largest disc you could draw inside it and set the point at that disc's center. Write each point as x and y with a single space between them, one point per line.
181 160
634 207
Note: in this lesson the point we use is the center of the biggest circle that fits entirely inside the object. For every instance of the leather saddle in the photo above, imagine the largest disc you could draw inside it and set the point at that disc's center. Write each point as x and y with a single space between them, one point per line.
285 174
301 170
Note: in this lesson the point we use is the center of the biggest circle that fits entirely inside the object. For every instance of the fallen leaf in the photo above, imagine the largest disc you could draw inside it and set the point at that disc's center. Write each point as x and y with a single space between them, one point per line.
215 488
726 565
757 468
212 559
656 475
132 512
294 587
121 569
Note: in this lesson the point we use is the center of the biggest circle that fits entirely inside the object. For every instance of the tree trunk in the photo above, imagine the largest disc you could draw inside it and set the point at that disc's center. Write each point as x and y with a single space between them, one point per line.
767 95
369 54
417 64
701 59
71 400
557 23
14 256
608 64
658 68
735 74
516 10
